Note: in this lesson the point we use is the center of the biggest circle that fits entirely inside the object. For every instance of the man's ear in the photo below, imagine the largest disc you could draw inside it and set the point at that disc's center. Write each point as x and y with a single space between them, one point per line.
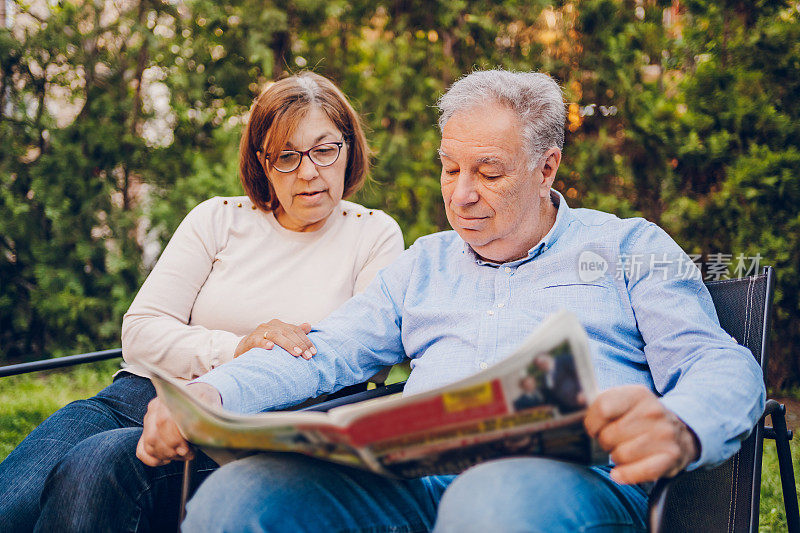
549 167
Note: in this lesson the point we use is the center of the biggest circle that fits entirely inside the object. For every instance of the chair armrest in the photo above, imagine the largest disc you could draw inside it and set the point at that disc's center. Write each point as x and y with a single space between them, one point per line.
358 397
59 362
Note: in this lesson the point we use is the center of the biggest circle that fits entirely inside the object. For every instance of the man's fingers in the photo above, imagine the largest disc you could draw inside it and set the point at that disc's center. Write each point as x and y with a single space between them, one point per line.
645 417
145 457
306 327
648 469
165 453
161 440
612 404
631 450
170 435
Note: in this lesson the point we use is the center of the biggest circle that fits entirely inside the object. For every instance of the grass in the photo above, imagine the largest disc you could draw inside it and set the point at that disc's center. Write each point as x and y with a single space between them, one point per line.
27 400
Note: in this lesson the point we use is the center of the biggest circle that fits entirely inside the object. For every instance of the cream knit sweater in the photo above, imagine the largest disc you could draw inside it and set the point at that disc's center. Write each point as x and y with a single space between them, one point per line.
230 267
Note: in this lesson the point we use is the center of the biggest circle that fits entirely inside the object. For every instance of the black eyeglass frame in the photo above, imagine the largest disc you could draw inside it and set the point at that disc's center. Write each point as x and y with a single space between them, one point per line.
338 144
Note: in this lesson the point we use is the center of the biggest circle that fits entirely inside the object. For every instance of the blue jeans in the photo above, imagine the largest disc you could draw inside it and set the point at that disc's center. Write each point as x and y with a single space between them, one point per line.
78 470
288 492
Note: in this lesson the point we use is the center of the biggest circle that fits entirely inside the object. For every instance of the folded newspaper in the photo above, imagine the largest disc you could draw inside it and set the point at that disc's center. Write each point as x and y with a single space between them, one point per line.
530 403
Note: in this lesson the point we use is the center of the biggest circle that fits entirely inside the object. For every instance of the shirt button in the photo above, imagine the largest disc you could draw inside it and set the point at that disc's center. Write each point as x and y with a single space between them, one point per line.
490 312
507 269
484 365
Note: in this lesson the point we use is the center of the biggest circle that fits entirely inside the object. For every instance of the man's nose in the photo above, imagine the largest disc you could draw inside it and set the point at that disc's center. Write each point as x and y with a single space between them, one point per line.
465 192
307 169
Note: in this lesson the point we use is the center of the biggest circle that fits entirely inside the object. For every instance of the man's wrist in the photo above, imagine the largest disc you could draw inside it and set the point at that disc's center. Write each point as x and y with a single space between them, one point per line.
694 443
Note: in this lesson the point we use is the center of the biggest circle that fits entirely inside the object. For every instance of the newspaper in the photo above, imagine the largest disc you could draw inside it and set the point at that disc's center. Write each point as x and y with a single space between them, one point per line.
530 403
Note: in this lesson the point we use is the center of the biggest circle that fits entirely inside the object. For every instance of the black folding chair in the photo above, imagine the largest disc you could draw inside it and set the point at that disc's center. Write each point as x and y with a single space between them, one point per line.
726 498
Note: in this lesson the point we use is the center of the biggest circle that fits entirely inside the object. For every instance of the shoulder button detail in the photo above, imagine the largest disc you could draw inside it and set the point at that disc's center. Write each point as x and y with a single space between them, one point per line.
254 207
370 212
358 215
344 213
225 202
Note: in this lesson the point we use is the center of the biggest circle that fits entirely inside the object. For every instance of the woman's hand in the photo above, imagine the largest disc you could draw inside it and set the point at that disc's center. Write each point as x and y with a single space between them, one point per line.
161 440
291 338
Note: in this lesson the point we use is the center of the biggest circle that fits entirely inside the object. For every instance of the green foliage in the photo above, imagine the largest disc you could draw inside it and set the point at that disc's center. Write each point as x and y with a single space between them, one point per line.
685 113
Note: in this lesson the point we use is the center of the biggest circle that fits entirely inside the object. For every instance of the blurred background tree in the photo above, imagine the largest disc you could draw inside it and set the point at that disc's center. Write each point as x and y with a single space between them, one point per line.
116 118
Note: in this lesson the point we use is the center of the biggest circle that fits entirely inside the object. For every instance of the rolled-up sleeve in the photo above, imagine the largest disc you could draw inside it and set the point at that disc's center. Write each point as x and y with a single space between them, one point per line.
714 385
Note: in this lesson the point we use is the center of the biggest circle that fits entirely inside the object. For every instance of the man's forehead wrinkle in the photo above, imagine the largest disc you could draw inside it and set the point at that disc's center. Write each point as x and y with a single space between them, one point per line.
486 152
505 164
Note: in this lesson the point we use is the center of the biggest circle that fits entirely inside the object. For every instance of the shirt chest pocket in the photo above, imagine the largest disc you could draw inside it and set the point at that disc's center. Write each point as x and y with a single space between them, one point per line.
589 301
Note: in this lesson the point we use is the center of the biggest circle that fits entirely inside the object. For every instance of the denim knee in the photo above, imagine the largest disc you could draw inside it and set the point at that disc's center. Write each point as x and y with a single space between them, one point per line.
290 492
535 494
92 482
257 493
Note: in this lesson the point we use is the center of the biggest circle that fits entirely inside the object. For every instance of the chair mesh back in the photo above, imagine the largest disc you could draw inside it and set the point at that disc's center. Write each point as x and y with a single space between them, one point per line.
722 499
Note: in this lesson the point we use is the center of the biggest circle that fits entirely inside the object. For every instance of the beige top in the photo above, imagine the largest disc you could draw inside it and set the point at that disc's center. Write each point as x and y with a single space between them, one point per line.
230 267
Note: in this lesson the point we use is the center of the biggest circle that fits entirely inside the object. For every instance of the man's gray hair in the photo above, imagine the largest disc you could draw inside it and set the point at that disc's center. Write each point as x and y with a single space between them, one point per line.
535 97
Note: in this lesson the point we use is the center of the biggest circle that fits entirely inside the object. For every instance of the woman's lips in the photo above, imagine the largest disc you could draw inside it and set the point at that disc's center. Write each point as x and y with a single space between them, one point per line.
310 196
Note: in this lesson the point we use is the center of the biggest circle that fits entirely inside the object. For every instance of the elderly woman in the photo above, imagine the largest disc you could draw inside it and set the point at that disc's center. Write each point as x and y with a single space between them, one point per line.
237 274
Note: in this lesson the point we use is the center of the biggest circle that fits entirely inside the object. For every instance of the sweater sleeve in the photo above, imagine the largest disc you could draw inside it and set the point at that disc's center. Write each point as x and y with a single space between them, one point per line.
156 328
386 245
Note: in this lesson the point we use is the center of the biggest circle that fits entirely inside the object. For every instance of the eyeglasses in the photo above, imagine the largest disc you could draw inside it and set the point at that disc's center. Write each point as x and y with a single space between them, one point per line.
322 155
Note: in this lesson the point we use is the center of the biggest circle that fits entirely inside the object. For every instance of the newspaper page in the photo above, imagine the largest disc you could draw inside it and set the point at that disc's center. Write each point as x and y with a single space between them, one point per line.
531 403
225 435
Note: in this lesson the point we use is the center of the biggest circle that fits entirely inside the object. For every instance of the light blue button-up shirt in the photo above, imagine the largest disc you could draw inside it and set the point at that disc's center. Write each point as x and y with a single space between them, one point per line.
649 318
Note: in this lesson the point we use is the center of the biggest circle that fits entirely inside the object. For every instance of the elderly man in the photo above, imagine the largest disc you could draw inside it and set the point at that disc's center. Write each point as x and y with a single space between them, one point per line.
678 392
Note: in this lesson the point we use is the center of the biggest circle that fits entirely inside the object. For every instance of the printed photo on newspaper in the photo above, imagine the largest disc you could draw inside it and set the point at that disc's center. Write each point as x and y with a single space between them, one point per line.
530 403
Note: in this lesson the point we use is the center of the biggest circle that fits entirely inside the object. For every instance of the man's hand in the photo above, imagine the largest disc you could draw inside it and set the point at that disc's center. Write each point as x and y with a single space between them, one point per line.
291 338
646 440
161 440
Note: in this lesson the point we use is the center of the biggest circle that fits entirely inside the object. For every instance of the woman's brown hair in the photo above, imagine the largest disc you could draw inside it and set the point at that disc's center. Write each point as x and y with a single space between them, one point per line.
275 115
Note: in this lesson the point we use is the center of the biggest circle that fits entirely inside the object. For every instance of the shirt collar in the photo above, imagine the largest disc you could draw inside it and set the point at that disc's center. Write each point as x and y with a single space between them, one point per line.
563 218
